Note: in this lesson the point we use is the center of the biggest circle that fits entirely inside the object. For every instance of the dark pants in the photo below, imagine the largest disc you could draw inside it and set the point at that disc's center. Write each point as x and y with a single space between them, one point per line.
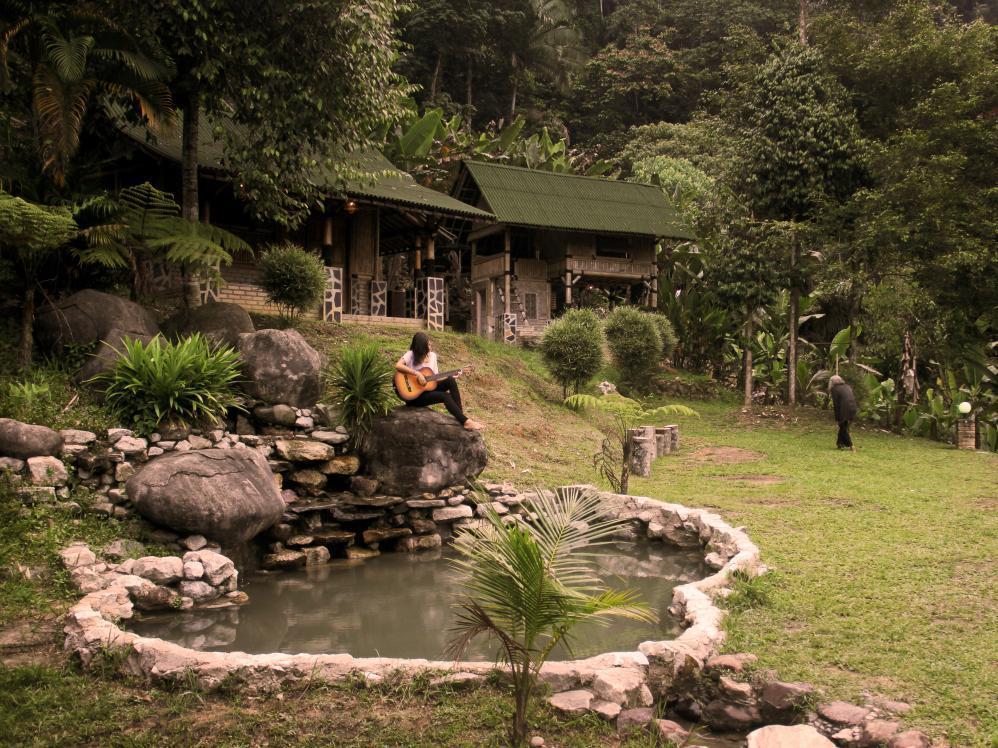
446 393
844 439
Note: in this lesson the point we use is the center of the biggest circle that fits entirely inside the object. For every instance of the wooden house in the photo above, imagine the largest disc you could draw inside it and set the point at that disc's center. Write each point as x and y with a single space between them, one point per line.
384 239
555 235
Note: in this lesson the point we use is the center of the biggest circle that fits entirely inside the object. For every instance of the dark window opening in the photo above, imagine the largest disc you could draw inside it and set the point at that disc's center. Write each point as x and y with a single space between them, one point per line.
613 246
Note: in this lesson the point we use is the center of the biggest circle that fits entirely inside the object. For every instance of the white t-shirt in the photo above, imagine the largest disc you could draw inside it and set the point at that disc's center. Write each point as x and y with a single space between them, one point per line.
431 362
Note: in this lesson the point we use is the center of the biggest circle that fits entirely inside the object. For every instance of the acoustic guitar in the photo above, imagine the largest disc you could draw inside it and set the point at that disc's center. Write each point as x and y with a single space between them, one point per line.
408 387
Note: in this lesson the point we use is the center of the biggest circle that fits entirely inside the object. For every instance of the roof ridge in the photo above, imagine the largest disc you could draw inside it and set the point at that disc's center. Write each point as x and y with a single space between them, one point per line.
604 180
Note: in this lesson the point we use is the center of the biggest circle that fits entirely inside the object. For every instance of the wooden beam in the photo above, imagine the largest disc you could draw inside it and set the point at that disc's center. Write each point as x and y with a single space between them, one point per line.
481 233
507 267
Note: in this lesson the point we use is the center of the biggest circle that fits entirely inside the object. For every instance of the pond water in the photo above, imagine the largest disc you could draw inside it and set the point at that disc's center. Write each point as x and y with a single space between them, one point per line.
400 605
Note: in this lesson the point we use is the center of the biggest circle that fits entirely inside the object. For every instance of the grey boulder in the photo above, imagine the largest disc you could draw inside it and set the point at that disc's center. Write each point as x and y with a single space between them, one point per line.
280 367
224 494
25 440
218 321
91 316
416 450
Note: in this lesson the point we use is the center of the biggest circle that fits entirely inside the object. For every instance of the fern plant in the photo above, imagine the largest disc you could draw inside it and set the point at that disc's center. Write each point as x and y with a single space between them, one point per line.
188 382
143 224
615 415
526 586
359 385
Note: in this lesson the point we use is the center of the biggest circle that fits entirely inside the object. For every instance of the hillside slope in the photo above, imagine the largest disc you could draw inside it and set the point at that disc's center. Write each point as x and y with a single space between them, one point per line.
530 437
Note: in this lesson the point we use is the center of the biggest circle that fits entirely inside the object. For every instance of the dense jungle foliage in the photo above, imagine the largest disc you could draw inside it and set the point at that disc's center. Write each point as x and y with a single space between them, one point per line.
836 158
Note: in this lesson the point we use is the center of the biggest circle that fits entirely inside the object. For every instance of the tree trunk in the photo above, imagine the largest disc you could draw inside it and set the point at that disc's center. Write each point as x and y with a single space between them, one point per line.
522 686
189 158
469 78
792 353
802 22
27 342
516 84
436 75
748 362
189 207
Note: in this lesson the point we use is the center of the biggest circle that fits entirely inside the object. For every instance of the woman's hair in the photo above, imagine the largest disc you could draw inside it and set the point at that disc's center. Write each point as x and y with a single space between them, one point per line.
420 347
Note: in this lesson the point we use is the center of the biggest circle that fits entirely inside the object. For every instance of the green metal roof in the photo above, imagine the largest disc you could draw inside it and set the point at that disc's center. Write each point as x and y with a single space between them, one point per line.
543 199
384 182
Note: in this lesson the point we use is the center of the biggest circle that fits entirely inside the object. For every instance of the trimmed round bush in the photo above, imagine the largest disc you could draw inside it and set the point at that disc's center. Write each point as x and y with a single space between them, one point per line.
635 344
572 348
666 333
293 279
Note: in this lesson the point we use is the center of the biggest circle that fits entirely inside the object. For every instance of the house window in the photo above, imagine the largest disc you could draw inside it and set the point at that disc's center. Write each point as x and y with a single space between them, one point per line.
530 305
612 246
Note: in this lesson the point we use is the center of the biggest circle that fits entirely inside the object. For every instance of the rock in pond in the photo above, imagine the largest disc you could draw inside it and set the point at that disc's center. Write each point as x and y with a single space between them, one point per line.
227 495
280 367
417 450
778 736
218 321
24 440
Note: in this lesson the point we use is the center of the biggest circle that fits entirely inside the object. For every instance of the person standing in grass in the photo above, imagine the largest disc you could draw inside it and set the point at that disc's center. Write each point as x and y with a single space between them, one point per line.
844 403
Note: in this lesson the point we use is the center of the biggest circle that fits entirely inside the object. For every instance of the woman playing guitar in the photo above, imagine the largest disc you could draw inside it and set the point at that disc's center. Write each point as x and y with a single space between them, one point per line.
420 362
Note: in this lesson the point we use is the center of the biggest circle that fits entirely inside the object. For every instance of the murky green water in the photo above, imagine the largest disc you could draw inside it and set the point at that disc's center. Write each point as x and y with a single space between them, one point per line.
400 605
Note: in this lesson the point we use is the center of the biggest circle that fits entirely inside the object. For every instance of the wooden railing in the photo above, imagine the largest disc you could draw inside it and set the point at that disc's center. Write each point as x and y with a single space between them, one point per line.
484 268
607 266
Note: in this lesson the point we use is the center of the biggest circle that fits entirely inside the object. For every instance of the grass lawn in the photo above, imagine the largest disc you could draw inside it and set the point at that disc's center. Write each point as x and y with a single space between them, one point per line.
883 577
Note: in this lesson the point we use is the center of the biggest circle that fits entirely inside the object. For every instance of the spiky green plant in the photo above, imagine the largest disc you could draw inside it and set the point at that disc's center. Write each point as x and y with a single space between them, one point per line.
359 385
615 415
190 382
527 586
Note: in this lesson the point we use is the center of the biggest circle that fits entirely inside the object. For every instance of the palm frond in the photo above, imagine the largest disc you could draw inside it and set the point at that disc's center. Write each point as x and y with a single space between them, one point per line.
60 106
5 39
67 54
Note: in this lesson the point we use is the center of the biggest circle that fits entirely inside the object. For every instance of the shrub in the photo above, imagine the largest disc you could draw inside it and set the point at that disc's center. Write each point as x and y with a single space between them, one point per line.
189 382
48 396
360 386
293 279
634 343
666 333
572 348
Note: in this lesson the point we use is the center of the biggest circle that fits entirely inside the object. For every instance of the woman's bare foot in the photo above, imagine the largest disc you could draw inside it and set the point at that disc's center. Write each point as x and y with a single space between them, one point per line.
473 425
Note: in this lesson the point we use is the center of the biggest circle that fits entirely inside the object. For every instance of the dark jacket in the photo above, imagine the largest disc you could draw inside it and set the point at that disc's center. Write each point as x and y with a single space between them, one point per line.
844 402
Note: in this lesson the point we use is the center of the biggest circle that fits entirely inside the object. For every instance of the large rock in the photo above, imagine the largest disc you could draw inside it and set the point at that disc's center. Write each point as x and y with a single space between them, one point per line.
417 450
218 321
280 367
224 494
798 736
91 316
24 440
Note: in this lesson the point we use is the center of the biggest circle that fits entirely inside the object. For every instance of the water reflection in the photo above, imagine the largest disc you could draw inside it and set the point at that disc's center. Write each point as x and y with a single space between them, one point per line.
399 605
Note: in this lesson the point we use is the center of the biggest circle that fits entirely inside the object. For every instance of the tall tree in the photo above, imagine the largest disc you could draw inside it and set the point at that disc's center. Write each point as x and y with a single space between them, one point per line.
60 61
286 85
803 151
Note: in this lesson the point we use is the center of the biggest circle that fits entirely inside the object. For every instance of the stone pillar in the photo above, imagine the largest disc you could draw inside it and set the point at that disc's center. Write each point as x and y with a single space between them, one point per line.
508 328
208 286
568 288
435 303
360 294
674 432
663 441
332 300
643 450
966 433
379 298
430 302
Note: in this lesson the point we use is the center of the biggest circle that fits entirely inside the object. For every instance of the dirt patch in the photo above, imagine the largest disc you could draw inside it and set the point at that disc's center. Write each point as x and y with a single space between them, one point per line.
753 480
31 643
726 455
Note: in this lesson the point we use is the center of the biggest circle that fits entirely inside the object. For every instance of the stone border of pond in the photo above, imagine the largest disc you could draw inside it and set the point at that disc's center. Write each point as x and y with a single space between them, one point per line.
686 674
654 670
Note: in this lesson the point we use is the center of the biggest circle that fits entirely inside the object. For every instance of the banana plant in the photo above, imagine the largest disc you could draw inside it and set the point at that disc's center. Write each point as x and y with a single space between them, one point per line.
615 415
